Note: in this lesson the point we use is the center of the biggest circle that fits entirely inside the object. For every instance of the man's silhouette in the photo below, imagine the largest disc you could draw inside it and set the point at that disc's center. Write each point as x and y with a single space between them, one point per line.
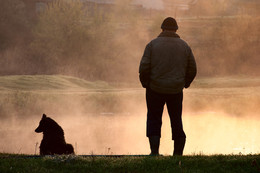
167 66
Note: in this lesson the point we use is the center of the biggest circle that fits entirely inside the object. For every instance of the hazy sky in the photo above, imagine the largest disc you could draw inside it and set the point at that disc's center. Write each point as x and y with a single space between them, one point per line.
154 4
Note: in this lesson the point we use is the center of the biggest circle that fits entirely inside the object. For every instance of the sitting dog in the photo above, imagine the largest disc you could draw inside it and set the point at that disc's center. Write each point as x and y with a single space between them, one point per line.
53 141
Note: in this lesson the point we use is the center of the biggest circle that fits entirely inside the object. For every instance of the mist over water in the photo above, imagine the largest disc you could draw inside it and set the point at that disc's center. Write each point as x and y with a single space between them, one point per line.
207 133
209 130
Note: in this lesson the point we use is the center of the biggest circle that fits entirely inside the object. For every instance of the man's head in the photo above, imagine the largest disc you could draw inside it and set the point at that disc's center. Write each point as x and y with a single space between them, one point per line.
169 24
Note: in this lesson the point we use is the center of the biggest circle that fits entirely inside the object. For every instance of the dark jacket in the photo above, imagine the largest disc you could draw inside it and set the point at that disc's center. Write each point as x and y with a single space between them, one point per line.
168 64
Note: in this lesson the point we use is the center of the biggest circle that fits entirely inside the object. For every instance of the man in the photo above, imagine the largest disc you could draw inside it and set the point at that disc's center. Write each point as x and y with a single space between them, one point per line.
167 66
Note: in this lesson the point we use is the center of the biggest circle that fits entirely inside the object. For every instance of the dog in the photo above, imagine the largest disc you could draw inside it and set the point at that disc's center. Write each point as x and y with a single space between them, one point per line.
53 141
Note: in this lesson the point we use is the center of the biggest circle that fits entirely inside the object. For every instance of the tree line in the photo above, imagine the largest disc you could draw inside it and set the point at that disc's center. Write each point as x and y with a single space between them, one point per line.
108 45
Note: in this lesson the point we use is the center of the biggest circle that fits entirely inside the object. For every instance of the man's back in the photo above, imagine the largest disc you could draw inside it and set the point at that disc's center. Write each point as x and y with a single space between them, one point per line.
168 58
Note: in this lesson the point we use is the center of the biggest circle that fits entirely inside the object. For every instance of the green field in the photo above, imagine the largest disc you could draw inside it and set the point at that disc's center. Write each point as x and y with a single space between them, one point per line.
196 163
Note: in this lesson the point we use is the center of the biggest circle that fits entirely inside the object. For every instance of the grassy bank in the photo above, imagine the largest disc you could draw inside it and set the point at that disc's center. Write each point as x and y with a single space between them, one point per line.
41 83
218 163
34 94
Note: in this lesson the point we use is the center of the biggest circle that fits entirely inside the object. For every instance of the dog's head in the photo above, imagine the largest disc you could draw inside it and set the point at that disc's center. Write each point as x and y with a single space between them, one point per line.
42 124
48 126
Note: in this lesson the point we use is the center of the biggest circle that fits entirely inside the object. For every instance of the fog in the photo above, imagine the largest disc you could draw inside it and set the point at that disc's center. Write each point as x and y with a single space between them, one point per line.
207 133
152 4
118 125
107 44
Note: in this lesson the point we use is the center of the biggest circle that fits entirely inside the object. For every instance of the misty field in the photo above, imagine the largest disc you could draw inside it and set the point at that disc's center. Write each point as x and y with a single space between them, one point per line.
220 115
196 163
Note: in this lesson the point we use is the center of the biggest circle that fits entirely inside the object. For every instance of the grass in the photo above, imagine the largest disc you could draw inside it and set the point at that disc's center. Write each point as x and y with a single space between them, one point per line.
226 82
34 93
47 83
196 163
69 83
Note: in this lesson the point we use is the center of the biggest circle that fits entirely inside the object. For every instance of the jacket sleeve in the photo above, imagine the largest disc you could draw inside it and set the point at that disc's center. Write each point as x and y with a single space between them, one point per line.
144 68
191 70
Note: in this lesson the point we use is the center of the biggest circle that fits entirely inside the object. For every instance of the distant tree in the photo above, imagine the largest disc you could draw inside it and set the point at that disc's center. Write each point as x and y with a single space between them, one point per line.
14 24
71 42
60 30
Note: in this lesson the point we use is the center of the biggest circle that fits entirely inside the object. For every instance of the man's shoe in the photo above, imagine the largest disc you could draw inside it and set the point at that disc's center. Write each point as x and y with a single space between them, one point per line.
179 146
154 145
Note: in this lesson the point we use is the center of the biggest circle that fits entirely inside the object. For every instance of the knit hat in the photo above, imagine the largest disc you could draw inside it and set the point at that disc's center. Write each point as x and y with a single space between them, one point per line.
169 24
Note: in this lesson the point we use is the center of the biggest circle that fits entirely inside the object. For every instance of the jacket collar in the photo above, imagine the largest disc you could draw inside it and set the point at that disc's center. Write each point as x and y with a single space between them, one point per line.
169 34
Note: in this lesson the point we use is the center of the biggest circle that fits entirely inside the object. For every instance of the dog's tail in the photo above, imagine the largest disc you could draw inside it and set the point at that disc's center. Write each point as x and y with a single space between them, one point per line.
69 149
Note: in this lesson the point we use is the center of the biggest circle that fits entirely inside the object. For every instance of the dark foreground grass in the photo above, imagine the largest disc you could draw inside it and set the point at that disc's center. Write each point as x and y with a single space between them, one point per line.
218 163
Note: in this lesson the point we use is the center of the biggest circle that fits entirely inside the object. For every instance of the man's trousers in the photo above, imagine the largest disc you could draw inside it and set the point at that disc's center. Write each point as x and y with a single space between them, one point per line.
155 104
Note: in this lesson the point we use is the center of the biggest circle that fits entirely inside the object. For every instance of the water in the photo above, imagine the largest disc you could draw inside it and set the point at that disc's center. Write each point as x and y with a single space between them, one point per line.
124 133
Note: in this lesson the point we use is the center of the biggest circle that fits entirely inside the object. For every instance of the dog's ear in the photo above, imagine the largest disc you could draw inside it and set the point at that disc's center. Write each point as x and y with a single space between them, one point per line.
44 116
